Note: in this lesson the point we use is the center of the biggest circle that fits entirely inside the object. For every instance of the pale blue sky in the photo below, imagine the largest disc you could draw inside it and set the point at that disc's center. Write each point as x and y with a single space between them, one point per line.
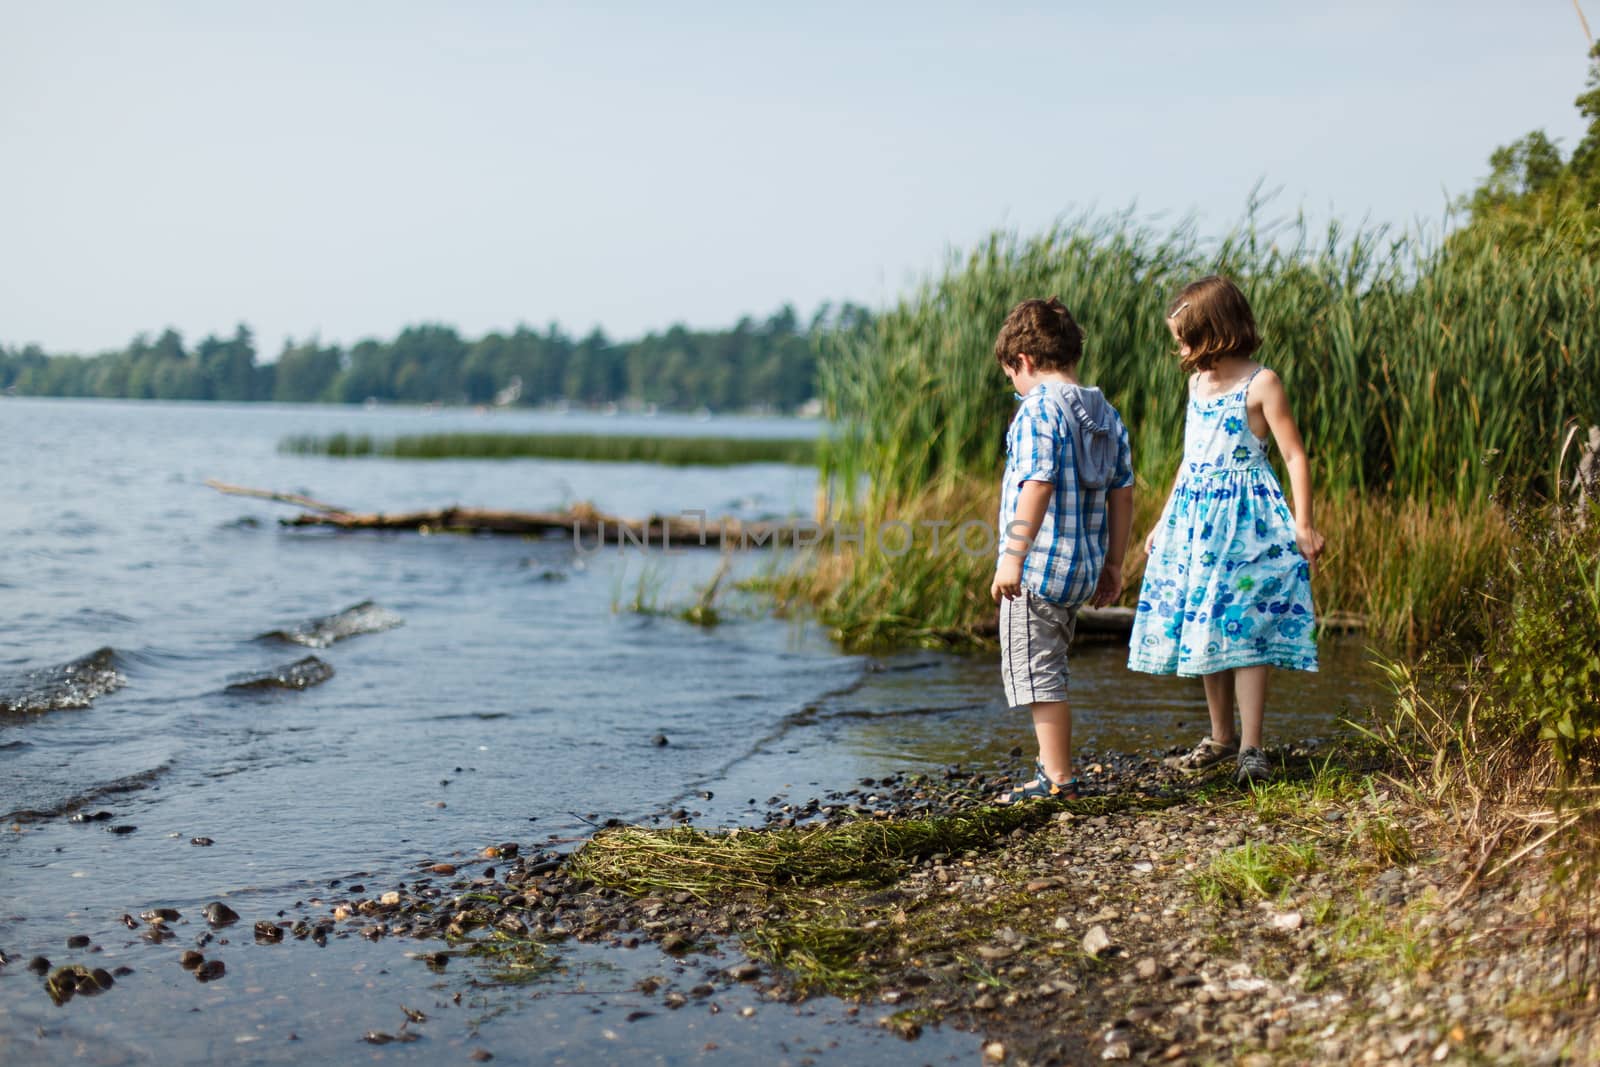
348 168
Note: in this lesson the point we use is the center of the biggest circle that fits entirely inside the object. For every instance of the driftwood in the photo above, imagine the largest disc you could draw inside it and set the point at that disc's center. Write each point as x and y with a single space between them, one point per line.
589 527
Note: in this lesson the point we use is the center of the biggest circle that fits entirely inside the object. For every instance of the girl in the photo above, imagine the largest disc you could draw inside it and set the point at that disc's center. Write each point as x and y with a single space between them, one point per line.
1227 588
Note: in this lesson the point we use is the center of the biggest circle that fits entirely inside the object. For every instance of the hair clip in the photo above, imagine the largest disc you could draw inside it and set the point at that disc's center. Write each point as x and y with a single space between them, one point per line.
1174 312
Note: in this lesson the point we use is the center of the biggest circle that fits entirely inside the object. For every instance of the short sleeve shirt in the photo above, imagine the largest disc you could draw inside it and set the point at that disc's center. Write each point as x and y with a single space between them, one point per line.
1070 548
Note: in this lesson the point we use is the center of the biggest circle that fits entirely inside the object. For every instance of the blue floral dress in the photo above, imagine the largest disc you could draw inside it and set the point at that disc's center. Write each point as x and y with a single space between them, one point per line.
1226 585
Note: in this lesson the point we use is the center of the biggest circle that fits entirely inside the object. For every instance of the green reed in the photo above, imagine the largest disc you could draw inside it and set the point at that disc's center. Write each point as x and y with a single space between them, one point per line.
674 451
1416 370
1430 380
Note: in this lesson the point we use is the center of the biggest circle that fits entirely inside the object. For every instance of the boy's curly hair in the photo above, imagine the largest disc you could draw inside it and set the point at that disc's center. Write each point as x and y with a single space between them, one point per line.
1045 330
1213 318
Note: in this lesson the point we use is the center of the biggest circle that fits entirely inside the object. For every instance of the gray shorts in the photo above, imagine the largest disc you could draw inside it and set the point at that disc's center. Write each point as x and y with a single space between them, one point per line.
1034 635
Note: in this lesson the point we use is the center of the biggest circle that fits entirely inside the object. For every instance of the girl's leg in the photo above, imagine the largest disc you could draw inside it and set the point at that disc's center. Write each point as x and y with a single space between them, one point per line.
1219 702
1052 725
1251 686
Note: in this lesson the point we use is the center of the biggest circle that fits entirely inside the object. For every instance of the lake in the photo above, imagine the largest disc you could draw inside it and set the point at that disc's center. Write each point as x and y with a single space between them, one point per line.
524 696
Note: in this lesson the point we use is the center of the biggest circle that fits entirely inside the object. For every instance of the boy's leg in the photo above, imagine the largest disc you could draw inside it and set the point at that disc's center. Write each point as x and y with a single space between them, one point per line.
1052 725
1219 702
1250 684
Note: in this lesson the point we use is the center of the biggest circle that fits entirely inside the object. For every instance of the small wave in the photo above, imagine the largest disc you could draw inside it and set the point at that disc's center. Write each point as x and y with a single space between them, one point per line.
71 685
301 674
128 784
363 618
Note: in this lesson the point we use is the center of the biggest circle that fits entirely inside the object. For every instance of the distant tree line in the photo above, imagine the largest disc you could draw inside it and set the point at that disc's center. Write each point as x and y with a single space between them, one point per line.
767 364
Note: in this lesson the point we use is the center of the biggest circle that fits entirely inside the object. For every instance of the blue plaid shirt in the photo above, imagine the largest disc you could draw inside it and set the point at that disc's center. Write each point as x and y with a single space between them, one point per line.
1070 548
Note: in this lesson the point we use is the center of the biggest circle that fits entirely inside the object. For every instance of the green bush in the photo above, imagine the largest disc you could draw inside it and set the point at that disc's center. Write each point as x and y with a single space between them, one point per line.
1546 658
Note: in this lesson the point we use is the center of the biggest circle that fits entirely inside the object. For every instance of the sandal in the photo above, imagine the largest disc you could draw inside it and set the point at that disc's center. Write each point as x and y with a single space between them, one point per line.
1041 788
1207 754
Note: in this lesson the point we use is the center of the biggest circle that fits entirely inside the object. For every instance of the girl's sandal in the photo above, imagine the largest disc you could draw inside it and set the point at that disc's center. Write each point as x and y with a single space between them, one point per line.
1041 788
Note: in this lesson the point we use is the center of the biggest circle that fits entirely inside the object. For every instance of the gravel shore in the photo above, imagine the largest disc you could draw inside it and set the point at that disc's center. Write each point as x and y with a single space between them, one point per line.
1324 918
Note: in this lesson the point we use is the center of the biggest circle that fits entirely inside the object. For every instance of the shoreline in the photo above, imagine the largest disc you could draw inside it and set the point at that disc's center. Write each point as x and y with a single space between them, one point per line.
1160 920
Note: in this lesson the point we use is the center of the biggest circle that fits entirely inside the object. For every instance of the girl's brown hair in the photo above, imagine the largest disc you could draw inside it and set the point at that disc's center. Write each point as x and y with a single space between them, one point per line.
1212 317
1045 330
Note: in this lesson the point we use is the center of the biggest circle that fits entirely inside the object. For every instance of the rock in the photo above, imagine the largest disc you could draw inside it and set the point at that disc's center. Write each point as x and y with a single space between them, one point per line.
1288 920
190 960
203 842
995 953
744 972
78 941
301 674
1147 968
1119 1051
39 965
659 740
391 897
210 971
994 1052
219 914
443 868
1096 941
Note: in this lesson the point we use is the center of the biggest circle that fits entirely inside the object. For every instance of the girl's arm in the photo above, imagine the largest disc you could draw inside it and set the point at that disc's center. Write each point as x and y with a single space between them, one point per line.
1280 420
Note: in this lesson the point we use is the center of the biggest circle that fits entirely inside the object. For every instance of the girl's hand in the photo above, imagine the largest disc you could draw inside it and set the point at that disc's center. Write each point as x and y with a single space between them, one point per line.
1150 541
1310 543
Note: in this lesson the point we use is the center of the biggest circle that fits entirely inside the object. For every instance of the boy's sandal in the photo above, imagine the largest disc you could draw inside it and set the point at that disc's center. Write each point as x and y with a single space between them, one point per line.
1041 788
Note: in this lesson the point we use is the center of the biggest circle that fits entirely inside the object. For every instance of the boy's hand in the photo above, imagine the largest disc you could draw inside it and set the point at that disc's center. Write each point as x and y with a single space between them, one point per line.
1007 579
1109 587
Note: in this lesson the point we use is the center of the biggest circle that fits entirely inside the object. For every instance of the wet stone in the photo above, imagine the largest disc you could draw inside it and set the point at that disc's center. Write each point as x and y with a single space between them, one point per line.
219 914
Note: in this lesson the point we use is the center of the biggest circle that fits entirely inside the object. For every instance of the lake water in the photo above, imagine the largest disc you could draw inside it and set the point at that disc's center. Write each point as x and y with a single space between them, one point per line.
520 700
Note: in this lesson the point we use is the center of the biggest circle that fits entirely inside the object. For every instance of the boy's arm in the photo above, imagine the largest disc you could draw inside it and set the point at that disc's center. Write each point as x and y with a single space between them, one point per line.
1017 538
1119 524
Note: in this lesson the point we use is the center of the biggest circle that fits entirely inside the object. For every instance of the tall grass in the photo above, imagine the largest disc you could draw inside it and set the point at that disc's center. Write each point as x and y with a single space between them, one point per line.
1414 372
614 448
1429 381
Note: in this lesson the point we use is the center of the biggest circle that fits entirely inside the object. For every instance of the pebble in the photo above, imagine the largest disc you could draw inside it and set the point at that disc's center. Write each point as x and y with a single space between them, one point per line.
1096 941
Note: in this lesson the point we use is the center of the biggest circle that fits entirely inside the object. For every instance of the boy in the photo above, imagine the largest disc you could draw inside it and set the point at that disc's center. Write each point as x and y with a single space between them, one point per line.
1066 508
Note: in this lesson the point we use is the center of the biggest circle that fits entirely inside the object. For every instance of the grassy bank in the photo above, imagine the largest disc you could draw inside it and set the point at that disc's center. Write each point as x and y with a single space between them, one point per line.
621 448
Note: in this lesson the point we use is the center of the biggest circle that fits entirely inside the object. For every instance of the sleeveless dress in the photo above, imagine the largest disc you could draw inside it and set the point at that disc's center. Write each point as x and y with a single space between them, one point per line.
1226 585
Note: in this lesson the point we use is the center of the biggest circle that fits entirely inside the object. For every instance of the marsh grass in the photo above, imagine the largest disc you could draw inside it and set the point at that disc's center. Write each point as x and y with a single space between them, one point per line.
1429 381
639 861
705 863
1255 871
821 952
610 448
